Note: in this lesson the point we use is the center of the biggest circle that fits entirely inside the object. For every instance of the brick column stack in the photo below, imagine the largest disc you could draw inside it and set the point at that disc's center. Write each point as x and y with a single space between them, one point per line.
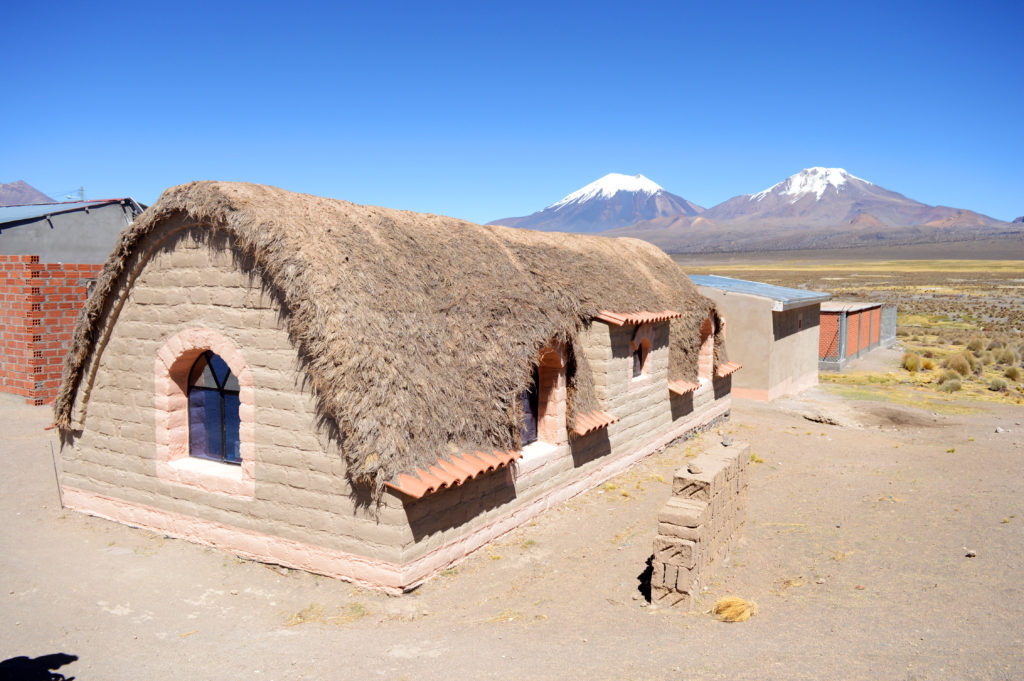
700 522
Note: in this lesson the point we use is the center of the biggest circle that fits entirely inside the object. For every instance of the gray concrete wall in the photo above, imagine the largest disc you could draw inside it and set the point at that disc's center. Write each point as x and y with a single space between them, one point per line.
748 339
794 354
74 237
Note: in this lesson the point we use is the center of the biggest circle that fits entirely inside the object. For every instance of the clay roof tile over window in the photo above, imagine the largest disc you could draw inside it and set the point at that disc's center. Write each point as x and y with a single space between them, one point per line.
447 474
728 368
589 422
682 387
635 318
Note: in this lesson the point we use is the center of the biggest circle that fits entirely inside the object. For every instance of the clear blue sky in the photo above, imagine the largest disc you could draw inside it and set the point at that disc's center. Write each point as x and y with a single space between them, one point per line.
485 110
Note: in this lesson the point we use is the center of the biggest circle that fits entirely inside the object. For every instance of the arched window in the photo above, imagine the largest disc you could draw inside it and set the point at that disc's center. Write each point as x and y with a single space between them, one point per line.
706 357
641 347
530 401
213 419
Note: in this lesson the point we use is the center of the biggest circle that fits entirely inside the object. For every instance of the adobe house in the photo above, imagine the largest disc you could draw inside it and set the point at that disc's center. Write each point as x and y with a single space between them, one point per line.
50 255
849 330
367 393
773 333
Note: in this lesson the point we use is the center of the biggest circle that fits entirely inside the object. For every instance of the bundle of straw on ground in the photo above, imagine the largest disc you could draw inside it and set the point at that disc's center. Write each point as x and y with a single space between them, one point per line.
416 332
734 609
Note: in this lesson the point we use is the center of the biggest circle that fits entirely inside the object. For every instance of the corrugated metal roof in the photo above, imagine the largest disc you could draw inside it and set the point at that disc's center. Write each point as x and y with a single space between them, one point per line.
642 317
783 297
38 210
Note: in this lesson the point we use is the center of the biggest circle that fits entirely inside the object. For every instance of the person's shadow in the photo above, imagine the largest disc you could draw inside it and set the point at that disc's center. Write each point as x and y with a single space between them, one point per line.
37 668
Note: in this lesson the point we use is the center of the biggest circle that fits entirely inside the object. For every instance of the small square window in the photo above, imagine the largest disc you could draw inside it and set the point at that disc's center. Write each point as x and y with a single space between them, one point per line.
638 362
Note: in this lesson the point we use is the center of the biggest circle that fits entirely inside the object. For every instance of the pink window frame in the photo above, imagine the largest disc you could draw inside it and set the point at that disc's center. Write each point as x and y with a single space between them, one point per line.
173 463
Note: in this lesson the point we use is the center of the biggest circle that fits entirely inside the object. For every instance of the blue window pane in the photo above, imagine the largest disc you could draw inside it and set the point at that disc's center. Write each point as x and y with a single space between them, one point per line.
530 400
220 369
231 423
213 419
204 424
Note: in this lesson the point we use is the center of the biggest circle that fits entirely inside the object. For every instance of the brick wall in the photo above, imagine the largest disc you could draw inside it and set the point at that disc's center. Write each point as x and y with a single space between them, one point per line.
865 330
39 303
828 336
852 334
876 325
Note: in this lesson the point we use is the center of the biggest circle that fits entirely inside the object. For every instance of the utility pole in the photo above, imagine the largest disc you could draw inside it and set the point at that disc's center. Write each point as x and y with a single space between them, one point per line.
81 193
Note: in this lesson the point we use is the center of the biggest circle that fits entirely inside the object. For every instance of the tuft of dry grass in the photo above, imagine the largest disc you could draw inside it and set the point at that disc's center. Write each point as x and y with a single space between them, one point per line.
911 361
976 344
734 609
960 364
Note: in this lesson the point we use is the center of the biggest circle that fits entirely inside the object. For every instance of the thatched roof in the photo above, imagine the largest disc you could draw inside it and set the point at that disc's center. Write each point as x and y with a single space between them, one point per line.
416 331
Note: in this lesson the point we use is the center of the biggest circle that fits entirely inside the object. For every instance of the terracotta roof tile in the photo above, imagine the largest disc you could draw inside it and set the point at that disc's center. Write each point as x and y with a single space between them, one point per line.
446 474
591 421
642 317
728 368
682 387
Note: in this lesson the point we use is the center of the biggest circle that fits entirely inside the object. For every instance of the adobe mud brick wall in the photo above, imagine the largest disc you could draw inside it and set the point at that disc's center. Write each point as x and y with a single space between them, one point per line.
700 523
39 303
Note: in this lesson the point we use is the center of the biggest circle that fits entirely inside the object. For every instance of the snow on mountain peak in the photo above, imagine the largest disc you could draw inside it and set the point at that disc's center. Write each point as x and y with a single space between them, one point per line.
809 181
608 186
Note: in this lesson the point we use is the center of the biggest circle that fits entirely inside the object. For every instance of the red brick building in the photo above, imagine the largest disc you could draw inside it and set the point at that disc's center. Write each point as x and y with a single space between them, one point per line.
848 330
49 256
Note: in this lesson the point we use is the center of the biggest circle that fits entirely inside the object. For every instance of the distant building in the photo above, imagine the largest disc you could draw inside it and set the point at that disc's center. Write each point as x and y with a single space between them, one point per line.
50 254
849 330
771 330
75 231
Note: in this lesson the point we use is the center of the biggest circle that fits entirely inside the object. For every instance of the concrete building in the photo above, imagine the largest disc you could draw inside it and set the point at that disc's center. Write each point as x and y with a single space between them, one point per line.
81 232
849 330
772 332
366 393
50 255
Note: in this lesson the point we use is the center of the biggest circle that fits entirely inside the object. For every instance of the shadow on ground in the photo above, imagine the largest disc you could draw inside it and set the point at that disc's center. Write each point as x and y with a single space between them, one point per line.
36 668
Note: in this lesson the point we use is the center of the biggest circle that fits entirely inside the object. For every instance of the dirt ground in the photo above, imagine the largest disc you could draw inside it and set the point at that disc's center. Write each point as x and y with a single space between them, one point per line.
855 551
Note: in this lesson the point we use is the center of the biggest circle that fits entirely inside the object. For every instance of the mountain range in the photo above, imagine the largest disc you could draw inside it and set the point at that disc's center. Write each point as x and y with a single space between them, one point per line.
815 208
21 193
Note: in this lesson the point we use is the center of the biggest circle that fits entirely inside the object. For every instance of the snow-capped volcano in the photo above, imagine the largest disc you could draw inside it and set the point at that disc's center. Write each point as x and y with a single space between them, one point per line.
810 181
610 185
615 200
819 197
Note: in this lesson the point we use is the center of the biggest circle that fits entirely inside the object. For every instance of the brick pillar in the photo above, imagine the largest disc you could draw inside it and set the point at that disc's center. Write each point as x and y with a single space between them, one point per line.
40 304
700 522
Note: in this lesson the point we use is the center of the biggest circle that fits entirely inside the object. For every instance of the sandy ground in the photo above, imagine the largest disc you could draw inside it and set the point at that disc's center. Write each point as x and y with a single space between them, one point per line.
855 550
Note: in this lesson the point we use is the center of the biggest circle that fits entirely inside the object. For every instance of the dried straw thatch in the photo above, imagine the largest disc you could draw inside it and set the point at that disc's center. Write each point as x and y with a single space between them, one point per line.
416 331
734 609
